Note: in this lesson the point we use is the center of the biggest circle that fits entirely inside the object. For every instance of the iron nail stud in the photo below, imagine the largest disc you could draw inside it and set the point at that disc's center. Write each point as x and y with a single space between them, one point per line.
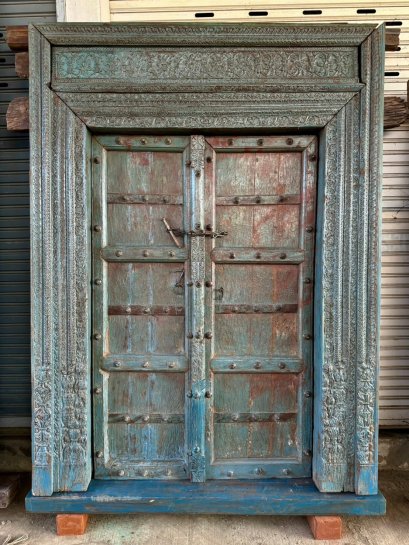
97 228
117 364
99 454
119 253
97 336
230 473
97 390
96 160
289 141
98 282
121 473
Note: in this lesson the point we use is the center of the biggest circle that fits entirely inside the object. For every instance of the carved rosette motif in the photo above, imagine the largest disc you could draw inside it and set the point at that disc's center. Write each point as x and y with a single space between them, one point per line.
205 65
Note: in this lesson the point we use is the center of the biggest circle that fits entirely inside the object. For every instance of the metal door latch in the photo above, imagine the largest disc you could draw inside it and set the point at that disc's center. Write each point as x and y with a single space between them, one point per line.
175 232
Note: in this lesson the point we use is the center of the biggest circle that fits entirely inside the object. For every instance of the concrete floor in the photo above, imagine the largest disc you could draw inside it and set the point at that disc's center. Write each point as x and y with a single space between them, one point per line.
392 529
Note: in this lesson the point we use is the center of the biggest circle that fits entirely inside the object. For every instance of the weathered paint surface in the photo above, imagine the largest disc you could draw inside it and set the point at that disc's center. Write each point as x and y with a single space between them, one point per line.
263 497
158 394
259 417
139 344
347 263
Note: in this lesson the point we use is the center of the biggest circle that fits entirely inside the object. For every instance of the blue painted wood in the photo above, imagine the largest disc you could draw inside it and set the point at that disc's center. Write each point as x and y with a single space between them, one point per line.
266 497
346 364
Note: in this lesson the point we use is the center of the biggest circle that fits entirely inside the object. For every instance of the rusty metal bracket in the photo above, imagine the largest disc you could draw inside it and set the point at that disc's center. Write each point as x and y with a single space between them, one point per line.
176 232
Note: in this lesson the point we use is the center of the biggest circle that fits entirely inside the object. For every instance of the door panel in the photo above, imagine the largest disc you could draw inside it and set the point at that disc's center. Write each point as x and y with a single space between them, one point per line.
203 368
139 305
260 360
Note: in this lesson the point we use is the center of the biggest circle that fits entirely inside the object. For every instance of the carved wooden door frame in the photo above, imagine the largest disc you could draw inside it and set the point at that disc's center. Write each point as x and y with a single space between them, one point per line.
323 79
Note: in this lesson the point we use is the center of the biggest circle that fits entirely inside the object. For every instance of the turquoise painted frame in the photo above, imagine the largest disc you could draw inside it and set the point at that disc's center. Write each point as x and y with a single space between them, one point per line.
322 79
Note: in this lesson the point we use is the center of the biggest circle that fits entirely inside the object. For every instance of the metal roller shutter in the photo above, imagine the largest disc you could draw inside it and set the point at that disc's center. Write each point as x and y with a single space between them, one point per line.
394 384
15 394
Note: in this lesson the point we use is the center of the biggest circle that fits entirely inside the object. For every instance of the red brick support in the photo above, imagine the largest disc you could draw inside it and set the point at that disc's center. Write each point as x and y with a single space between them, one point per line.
71 525
328 527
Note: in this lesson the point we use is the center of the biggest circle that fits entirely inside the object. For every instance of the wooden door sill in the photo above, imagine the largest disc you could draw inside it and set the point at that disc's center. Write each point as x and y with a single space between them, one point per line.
260 497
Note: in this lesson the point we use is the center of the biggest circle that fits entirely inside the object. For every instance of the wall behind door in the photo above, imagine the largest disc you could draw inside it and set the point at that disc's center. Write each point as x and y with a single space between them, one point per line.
15 390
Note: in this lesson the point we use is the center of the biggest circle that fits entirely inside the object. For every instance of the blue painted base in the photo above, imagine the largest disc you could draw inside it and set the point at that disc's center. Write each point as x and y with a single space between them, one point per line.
262 497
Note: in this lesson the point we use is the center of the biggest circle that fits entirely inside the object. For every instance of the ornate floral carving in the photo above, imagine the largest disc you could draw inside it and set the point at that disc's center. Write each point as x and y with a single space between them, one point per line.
206 66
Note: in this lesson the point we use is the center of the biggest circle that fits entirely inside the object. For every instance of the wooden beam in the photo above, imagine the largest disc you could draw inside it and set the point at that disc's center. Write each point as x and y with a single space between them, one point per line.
17 113
17 116
395 112
22 64
17 37
392 39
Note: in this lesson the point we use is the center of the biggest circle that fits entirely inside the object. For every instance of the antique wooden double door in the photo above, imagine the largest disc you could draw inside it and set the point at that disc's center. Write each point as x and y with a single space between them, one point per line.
203 263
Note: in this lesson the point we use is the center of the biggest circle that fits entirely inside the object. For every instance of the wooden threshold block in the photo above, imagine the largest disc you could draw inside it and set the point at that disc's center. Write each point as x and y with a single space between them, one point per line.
325 527
71 525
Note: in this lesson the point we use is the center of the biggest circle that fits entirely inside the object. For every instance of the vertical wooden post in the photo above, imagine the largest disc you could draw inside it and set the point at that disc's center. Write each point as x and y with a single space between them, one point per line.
71 525
325 527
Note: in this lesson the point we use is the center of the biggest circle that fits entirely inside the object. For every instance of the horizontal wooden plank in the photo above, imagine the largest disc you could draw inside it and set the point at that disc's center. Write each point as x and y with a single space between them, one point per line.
141 142
145 419
135 254
144 363
262 497
256 365
253 417
244 200
255 309
257 255
141 310
125 468
128 198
